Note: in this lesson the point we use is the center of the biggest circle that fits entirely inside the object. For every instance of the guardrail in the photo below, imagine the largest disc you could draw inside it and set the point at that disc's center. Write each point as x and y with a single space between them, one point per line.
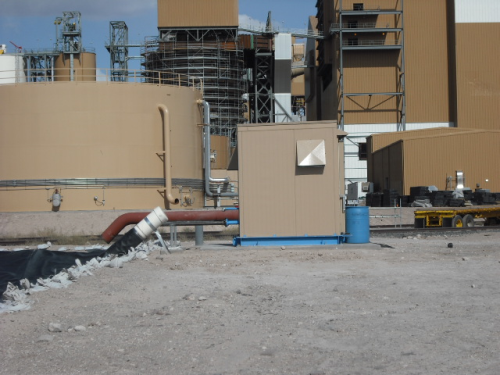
369 43
83 75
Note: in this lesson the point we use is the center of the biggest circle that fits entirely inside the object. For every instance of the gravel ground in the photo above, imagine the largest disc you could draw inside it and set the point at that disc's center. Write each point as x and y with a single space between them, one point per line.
396 306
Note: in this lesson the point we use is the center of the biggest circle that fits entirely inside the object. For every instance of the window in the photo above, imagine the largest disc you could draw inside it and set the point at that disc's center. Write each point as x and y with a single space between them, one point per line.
362 151
358 6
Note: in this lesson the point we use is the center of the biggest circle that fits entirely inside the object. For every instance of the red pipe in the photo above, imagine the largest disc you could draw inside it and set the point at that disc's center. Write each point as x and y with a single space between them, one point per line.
135 217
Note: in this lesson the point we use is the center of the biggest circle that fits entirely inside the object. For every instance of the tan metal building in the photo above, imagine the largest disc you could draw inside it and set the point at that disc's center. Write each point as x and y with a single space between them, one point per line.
102 145
376 142
291 179
197 13
393 65
434 159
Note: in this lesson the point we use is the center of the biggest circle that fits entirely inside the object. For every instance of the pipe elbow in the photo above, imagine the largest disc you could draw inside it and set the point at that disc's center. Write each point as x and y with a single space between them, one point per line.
171 199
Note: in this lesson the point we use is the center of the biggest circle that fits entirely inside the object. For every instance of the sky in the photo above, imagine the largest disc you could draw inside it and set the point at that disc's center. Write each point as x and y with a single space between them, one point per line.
30 23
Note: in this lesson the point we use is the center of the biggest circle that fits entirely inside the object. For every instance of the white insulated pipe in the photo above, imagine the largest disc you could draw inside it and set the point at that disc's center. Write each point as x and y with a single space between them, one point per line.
140 232
151 223
167 164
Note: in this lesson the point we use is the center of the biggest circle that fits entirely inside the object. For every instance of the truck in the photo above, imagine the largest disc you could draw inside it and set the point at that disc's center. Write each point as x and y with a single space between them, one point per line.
456 217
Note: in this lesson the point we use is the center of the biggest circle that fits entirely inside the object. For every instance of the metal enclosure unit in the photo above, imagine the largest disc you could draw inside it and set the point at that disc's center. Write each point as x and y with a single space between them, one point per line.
291 179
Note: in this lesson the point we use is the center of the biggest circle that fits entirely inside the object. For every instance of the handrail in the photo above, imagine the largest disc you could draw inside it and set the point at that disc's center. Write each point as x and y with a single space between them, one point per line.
364 43
89 74
363 25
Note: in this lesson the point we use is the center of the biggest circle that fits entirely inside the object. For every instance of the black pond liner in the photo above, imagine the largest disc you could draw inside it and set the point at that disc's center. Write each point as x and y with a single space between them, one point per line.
35 264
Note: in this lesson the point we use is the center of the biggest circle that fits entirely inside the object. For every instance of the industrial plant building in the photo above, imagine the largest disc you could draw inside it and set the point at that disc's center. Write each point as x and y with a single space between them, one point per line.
398 65
165 135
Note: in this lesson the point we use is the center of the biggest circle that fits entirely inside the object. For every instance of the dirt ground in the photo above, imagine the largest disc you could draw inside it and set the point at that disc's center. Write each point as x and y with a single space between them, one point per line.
395 306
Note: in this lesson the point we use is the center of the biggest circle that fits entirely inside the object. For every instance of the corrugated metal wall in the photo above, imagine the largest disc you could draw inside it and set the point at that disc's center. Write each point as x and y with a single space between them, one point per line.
379 141
429 160
197 13
426 43
478 75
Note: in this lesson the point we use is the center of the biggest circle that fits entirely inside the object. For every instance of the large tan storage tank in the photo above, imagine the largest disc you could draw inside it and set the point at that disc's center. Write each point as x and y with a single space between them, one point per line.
102 145
84 67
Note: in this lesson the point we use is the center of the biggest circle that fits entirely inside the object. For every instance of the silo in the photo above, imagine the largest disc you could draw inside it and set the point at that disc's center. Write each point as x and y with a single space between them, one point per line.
82 64
11 68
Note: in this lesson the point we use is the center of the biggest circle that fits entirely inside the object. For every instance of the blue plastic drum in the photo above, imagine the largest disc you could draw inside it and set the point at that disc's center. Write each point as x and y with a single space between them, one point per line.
358 224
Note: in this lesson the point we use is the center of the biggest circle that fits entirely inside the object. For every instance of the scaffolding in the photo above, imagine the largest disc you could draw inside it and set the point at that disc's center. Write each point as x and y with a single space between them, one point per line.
354 35
212 55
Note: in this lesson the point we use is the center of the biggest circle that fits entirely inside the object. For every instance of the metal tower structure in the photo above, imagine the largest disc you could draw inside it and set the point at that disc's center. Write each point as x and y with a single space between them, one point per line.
118 50
261 84
69 39
348 31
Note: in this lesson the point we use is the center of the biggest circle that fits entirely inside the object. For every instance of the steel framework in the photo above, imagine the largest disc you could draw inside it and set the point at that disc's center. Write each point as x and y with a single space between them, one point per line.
69 40
212 55
348 28
39 64
118 50
261 87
